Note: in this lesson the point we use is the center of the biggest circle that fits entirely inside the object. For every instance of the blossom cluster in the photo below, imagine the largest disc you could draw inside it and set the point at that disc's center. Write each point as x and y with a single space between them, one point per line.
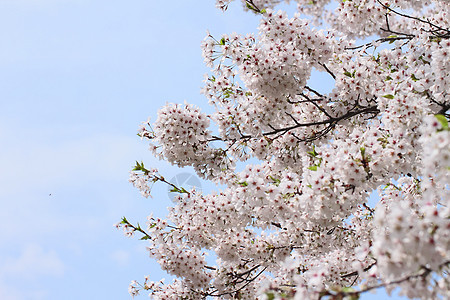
183 139
300 222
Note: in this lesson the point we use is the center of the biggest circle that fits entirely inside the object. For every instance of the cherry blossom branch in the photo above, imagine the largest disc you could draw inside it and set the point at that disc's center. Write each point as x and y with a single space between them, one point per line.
131 228
424 272
304 101
314 91
363 140
388 29
444 106
332 121
246 280
355 273
414 18
314 103
403 36
328 70
154 178
252 6
443 110
382 40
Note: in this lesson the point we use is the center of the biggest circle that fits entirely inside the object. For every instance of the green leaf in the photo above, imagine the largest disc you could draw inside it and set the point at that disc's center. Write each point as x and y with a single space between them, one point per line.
243 183
270 296
179 190
175 190
140 167
413 77
276 181
313 168
443 120
251 7
124 221
313 153
254 8
222 41
145 237
389 96
363 151
137 167
351 290
347 73
436 39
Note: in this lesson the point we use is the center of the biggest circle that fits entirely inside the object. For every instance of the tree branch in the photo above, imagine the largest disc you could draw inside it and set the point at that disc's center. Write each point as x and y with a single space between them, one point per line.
414 18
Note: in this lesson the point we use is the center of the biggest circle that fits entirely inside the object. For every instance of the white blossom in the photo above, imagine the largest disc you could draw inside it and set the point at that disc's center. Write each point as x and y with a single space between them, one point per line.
298 221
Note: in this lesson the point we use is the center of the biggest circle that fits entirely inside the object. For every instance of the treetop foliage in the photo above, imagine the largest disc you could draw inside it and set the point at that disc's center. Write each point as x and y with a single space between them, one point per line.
298 225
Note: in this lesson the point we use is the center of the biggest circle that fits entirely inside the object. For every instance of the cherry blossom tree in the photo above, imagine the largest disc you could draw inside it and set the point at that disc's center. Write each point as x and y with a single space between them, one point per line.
298 224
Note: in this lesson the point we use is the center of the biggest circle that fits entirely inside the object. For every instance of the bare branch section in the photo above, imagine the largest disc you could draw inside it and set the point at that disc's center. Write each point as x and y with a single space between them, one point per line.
331 122
438 30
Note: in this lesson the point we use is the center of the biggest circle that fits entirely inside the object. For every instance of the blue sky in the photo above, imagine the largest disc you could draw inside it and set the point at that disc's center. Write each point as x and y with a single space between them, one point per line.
77 77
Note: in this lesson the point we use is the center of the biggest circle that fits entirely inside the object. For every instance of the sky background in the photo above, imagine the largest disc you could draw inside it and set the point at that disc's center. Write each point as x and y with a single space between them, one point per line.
77 78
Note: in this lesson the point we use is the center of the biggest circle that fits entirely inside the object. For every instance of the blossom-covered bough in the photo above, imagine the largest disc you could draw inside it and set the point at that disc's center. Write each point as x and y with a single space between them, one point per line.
298 224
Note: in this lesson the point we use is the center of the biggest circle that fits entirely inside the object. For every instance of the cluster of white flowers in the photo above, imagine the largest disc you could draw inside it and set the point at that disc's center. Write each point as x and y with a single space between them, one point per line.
183 139
299 224
143 182
436 145
182 132
412 240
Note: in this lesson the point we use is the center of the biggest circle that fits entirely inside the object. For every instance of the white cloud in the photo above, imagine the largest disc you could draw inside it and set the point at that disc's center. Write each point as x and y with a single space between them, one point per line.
11 293
31 265
33 262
